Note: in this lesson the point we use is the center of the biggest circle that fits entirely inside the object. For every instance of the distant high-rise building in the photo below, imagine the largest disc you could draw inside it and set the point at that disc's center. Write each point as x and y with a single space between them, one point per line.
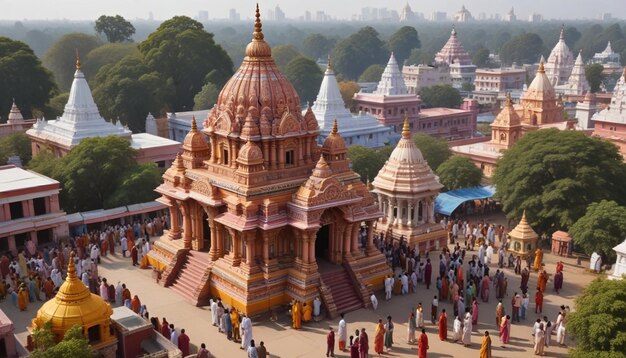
606 16
510 16
482 16
406 14
535 17
463 15
439 16
233 15
150 16
321 16
307 15
203 16
279 15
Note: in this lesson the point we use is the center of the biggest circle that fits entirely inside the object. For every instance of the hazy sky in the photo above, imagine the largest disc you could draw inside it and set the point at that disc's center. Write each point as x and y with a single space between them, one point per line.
163 9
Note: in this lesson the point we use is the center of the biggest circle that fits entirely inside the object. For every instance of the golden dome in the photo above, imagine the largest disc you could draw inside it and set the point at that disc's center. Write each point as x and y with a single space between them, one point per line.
250 154
540 88
523 230
334 143
507 116
194 140
74 304
257 89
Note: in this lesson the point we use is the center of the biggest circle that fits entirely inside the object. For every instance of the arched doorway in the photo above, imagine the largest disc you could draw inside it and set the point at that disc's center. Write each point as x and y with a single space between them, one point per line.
322 243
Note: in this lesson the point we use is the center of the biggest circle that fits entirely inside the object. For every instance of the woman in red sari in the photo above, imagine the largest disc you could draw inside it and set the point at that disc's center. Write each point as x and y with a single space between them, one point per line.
443 325
379 338
422 344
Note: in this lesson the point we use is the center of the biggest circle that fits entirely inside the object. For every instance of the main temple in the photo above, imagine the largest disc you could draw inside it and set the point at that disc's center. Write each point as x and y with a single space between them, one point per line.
260 212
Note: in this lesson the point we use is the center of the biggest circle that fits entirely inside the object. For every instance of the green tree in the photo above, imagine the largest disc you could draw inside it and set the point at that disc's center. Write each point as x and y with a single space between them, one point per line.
440 96
459 172
18 144
481 57
402 42
137 186
317 46
184 54
554 175
43 338
354 54
372 73
115 28
91 172
420 56
23 78
524 48
365 161
206 98
128 90
594 76
284 54
61 57
106 54
56 105
571 35
598 321
45 163
435 151
73 345
601 228
347 90
39 41
305 76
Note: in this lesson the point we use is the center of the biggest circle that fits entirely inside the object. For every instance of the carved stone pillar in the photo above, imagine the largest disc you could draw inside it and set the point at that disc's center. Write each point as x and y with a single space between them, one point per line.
174 232
214 253
390 211
312 238
281 155
266 154
410 211
347 232
431 210
266 248
305 247
235 253
354 238
273 163
250 244
186 225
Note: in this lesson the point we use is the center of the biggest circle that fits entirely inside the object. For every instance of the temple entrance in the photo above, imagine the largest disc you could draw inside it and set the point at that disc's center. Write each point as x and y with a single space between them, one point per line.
322 243
206 233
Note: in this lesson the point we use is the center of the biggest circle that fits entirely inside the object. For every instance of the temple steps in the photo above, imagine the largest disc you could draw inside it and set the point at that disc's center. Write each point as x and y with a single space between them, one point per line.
343 291
191 279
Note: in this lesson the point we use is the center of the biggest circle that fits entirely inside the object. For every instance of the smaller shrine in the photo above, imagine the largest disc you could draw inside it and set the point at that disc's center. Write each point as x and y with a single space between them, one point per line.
75 305
523 239
619 269
561 243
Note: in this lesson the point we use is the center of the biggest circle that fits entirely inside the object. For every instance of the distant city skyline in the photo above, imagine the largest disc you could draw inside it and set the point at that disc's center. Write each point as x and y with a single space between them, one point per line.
294 9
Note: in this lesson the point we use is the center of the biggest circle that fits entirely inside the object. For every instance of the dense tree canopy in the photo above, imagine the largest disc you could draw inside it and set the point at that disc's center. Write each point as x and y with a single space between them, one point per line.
56 105
61 57
354 54
184 54
554 175
101 172
206 98
594 76
372 73
22 77
402 42
105 55
434 150
598 322
115 28
366 161
481 57
459 172
440 96
571 35
73 345
601 228
305 76
18 144
317 46
128 90
283 54
524 48
347 90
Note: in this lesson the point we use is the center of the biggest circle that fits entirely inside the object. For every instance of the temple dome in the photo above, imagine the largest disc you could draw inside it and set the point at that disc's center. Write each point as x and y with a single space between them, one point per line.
507 116
75 305
540 87
406 171
250 154
523 230
453 52
194 140
334 143
258 89
15 116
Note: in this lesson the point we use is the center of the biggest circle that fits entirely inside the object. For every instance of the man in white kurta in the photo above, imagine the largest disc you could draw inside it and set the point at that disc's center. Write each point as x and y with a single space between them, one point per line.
246 332
405 283
342 333
317 306
388 286
374 301
467 329
214 318
457 329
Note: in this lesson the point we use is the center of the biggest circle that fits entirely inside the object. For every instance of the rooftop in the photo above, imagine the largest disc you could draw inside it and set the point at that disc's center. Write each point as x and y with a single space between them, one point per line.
13 178
145 140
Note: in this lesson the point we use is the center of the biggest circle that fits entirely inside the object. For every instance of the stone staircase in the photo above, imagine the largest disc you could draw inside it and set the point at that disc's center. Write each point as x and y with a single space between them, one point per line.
342 290
192 279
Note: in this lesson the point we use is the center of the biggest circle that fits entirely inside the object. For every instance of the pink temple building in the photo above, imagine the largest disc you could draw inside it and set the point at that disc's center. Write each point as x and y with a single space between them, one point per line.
29 209
610 123
15 122
459 61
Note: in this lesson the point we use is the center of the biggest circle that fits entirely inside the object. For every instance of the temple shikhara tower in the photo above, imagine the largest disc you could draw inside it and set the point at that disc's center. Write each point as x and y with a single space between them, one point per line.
453 55
560 62
406 188
260 211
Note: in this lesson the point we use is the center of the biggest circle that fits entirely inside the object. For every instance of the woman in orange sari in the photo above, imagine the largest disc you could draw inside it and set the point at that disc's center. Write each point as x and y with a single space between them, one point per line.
22 298
443 325
379 338
135 304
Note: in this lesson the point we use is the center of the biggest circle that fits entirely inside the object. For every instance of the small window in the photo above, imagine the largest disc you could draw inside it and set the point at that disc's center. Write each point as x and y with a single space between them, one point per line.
40 206
94 334
17 212
290 158
225 156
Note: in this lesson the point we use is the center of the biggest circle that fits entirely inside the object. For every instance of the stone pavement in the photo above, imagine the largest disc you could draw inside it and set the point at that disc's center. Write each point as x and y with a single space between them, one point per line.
282 341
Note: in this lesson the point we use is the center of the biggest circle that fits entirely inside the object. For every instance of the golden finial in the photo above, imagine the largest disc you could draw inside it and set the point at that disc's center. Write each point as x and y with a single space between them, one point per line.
77 60
329 66
71 268
334 131
194 126
406 128
509 100
541 69
258 27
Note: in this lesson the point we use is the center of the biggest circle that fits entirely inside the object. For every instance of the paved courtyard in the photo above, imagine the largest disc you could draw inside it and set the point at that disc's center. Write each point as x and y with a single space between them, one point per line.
282 341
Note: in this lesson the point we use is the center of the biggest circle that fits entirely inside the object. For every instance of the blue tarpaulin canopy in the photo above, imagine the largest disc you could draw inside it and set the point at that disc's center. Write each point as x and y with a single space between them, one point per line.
447 202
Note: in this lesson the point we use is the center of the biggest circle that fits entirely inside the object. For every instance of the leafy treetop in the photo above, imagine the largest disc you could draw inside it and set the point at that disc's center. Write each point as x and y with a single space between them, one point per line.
115 28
